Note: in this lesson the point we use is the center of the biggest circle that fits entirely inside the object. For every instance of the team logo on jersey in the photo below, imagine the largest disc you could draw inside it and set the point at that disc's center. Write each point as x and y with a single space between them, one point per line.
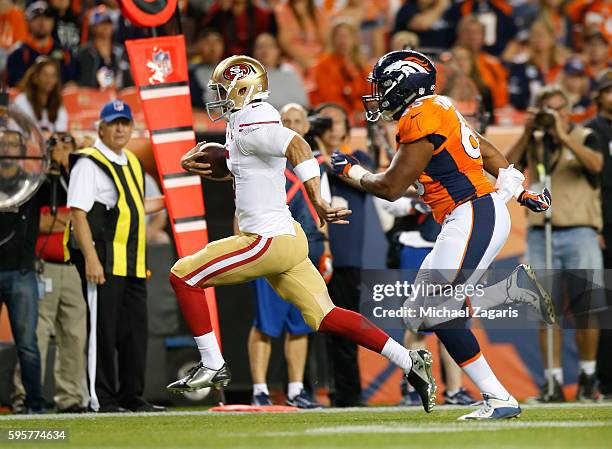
237 72
160 65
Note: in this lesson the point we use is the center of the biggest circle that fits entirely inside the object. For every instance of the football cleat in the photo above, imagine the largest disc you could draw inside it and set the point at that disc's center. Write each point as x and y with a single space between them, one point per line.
261 399
303 401
199 376
421 378
461 397
524 288
494 408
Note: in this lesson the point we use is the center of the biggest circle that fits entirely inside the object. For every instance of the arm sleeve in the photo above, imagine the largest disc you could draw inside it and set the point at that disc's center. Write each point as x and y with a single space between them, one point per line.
271 140
593 142
81 192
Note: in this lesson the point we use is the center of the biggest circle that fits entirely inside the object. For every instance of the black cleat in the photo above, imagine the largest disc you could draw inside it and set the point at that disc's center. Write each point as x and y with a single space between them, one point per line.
421 378
200 376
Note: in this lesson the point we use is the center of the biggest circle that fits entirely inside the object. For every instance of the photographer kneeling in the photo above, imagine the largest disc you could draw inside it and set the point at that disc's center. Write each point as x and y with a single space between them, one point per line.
574 161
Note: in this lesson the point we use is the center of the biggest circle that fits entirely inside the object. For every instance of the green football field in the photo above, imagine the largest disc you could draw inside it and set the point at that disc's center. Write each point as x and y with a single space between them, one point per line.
567 426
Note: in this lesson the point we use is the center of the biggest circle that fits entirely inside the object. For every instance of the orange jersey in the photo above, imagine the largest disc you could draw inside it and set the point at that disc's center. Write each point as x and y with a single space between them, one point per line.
454 174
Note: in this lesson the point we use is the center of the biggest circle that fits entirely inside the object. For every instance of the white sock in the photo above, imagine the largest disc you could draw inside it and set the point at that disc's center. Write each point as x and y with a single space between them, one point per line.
209 350
260 388
294 388
397 354
482 375
557 373
587 366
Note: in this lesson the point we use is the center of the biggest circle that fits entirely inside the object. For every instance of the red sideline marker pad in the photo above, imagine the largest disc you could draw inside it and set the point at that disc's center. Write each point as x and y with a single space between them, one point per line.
254 408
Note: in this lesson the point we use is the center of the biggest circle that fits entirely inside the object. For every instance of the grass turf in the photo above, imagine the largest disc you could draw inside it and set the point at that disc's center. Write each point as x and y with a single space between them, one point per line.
564 427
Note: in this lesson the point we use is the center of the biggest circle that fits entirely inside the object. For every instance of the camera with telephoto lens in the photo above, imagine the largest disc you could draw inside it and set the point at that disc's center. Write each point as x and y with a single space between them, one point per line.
544 119
319 124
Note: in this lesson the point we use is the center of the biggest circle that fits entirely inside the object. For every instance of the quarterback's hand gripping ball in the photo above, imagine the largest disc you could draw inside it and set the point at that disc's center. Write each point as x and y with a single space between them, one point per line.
536 202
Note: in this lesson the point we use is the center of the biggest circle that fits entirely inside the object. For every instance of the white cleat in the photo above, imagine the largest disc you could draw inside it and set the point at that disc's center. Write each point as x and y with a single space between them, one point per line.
494 408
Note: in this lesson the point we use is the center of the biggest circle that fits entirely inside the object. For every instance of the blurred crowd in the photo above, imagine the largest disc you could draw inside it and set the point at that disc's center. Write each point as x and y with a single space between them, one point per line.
320 51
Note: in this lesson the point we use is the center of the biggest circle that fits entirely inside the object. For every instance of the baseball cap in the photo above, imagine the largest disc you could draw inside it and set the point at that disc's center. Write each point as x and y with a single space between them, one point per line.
100 15
574 66
604 81
38 9
114 110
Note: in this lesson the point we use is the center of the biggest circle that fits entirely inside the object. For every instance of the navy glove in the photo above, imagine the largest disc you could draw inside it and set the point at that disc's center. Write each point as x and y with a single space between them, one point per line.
341 163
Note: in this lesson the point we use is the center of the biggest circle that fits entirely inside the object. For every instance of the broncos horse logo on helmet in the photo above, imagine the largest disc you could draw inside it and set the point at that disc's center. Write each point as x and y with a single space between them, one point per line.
398 79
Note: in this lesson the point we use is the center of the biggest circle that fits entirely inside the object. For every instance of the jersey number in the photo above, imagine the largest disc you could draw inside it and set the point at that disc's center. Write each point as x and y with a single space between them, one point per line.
469 141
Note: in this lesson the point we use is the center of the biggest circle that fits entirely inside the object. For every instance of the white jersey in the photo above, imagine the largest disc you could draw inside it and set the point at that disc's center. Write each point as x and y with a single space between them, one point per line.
256 142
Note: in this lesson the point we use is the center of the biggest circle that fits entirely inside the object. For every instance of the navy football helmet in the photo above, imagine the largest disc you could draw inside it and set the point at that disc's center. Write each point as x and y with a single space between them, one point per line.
398 79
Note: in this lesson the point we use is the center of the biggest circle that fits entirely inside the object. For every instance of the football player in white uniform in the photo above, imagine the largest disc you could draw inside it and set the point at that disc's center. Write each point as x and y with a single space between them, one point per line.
270 243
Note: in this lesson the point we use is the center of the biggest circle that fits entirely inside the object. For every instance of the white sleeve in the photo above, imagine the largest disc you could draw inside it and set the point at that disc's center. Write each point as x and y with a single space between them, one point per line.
61 124
81 188
270 140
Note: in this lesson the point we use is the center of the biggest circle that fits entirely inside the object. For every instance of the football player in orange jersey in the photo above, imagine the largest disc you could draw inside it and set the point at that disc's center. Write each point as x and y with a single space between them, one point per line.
444 158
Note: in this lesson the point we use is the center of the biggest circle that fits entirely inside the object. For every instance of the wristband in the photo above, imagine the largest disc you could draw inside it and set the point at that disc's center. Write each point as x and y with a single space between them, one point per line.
307 170
357 172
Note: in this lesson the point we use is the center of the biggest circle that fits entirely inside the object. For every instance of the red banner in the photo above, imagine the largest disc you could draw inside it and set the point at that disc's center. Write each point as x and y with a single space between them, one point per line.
159 68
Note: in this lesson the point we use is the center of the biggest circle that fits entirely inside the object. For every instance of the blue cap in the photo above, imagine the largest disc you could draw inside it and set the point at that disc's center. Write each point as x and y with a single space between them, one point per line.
574 66
114 110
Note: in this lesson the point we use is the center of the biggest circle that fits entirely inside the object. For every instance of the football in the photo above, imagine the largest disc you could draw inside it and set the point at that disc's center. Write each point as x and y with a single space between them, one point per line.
214 154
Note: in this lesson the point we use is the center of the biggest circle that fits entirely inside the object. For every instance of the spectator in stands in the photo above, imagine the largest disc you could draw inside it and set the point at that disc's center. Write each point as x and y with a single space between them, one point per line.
302 31
210 47
589 15
340 76
13 28
404 40
67 29
496 18
372 20
465 62
346 244
287 84
41 96
596 54
543 63
575 154
576 84
40 42
124 29
273 316
553 13
62 310
102 63
602 126
431 20
239 22
471 34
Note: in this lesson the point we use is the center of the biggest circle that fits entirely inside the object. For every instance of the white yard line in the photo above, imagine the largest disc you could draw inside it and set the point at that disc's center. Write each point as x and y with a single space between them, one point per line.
440 428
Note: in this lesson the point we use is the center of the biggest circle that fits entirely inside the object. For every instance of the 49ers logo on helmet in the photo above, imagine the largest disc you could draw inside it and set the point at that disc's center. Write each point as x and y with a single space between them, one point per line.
237 71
